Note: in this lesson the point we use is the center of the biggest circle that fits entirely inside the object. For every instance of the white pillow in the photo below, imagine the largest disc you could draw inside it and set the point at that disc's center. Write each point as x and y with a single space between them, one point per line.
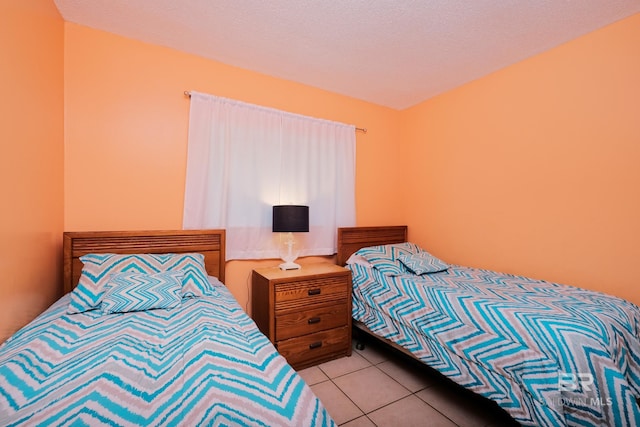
358 259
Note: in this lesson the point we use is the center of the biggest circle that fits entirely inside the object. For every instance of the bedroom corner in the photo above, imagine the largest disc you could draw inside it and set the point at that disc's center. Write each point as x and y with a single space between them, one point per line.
31 163
535 166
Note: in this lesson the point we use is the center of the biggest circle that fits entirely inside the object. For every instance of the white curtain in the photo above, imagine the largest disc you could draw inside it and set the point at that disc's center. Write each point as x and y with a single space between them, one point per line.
243 159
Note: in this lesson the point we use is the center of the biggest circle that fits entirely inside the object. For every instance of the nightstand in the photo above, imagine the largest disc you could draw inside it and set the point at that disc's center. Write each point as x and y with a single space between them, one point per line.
306 313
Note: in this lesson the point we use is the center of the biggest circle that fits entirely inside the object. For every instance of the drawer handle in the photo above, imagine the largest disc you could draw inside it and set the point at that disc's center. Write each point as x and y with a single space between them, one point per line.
313 292
316 344
313 320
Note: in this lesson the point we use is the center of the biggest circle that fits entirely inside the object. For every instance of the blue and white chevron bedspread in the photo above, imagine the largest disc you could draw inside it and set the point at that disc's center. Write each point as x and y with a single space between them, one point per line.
549 354
204 363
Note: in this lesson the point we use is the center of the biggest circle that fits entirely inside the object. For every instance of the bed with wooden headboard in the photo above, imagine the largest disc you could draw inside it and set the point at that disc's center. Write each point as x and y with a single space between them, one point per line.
210 243
350 239
500 335
148 353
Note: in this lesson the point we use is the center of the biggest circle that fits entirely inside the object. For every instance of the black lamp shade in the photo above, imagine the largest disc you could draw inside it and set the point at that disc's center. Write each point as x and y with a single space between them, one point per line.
290 219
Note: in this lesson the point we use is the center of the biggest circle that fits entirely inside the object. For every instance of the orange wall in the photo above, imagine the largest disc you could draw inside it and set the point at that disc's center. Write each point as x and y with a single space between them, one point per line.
126 123
534 169
31 160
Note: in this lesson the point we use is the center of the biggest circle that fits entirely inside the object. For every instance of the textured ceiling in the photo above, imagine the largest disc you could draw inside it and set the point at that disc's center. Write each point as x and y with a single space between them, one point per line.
392 53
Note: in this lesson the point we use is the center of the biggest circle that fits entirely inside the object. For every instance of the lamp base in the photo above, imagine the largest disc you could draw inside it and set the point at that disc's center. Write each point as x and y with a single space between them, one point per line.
289 265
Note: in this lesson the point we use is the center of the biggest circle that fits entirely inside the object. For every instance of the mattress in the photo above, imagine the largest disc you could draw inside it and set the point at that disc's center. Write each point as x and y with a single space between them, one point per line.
204 363
548 354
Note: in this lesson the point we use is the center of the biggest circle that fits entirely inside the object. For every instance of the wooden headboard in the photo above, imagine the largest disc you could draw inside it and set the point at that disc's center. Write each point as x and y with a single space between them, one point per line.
210 243
350 239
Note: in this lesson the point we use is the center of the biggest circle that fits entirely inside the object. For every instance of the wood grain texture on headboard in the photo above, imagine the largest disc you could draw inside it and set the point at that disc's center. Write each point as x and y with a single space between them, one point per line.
210 243
350 239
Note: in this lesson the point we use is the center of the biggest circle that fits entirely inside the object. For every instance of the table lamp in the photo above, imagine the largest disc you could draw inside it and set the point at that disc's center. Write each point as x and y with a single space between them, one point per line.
290 219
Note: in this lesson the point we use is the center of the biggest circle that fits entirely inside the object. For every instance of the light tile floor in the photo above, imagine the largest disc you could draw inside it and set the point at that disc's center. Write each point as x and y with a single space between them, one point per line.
381 387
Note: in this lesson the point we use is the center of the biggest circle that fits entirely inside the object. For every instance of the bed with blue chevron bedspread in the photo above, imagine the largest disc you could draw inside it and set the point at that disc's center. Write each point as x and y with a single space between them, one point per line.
205 363
549 354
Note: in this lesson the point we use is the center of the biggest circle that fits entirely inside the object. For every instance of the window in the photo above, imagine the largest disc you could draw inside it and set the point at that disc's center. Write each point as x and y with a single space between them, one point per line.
243 159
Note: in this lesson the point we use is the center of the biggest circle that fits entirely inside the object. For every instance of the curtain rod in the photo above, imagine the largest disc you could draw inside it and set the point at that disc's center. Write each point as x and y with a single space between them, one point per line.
363 130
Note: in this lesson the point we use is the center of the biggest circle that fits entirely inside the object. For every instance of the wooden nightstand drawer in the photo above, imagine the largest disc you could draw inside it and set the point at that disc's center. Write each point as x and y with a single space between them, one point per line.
311 320
307 349
300 293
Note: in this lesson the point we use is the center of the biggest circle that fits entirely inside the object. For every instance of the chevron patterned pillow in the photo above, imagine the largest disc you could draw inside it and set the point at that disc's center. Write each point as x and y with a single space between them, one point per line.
194 280
98 268
126 292
423 263
385 258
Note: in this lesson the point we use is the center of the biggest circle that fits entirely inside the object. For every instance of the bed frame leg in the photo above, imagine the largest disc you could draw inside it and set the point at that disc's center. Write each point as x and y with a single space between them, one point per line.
359 338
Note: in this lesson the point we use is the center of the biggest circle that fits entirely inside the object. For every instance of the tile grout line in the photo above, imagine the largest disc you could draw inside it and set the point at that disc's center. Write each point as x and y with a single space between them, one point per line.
342 391
375 365
412 392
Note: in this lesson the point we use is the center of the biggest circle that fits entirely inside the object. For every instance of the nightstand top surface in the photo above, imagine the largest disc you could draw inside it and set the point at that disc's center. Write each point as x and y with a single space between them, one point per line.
274 273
